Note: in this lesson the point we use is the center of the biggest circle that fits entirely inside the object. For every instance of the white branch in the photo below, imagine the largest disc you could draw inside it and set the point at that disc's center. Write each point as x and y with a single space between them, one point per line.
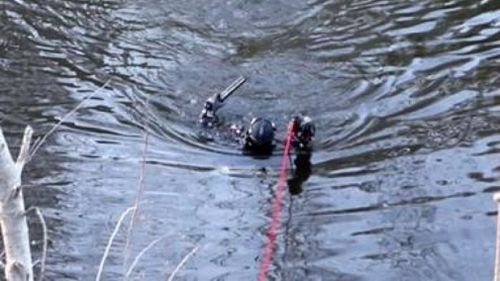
110 242
139 256
45 244
8 168
24 153
12 212
42 140
181 264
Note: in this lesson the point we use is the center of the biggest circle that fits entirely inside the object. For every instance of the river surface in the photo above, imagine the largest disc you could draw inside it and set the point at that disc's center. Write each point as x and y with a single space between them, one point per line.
406 100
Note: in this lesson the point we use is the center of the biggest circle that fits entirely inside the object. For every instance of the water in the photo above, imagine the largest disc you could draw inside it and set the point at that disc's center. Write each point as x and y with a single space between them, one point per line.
405 98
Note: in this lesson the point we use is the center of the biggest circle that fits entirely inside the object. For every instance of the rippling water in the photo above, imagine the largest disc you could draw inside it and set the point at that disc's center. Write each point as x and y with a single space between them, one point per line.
405 98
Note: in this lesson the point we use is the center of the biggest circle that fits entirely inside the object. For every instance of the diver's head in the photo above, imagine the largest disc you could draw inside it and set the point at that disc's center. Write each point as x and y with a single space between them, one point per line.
259 137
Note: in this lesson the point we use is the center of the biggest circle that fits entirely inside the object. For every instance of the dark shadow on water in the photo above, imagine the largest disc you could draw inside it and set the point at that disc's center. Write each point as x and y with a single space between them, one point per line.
300 172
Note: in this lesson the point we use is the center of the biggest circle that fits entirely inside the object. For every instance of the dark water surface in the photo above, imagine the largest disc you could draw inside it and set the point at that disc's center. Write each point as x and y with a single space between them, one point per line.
405 97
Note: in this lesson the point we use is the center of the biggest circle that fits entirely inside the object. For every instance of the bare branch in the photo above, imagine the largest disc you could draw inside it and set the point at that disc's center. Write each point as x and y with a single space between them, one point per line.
139 196
181 264
110 242
13 220
17 271
45 243
138 257
53 129
25 148
5 155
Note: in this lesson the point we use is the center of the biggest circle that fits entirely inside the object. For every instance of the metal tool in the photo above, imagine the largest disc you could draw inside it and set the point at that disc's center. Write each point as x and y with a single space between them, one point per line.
215 102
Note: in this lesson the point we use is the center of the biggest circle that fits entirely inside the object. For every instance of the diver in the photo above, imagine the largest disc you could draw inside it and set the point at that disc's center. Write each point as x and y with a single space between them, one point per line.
258 138
303 151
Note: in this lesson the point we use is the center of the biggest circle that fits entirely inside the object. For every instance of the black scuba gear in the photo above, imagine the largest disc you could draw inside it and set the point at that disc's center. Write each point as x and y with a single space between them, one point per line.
304 131
259 137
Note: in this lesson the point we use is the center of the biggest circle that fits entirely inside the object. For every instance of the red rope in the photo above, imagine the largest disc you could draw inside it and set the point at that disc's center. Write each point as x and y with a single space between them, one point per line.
276 209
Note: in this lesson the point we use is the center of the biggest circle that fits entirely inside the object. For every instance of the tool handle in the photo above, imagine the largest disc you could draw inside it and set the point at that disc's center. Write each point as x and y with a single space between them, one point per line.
208 116
231 88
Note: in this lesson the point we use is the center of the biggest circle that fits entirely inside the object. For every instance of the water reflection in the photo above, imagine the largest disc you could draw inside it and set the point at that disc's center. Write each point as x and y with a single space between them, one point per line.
300 172
405 99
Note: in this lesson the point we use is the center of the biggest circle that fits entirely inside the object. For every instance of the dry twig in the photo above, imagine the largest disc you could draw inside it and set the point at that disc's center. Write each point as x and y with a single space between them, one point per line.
45 241
139 195
39 142
110 242
138 257
181 264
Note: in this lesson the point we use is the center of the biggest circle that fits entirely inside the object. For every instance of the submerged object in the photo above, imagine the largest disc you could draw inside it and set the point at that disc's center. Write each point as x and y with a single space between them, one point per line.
259 137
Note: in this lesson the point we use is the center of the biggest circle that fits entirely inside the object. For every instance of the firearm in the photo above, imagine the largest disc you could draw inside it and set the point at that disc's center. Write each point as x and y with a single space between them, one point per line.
208 116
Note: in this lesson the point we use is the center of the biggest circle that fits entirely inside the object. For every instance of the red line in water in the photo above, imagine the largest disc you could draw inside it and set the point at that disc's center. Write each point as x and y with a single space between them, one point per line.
272 232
